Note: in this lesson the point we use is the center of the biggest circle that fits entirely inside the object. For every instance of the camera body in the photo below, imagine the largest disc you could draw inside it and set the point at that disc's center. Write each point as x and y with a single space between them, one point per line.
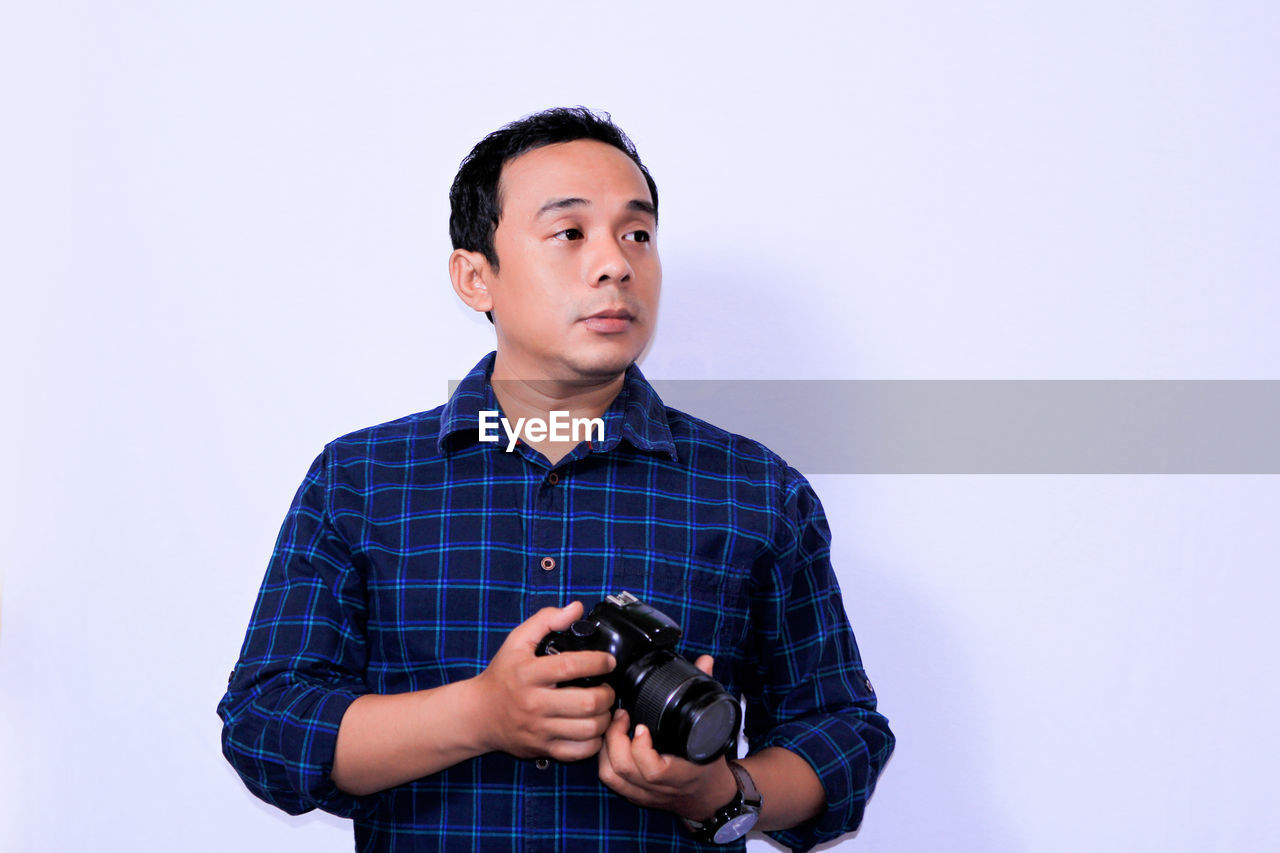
687 711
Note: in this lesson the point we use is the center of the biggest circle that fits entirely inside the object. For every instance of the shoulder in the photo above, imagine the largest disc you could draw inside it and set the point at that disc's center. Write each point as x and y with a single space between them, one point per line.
382 453
418 431
715 451
363 469
761 493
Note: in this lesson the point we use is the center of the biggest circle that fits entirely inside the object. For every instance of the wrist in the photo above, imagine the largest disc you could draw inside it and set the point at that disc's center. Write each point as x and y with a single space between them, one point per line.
719 788
735 818
476 730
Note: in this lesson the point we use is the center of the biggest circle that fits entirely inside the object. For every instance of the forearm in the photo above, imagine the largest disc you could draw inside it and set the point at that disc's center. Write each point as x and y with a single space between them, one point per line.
789 789
384 741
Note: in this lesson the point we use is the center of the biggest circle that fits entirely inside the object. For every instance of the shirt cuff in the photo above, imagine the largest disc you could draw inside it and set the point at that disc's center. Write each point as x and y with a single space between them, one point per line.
290 763
846 753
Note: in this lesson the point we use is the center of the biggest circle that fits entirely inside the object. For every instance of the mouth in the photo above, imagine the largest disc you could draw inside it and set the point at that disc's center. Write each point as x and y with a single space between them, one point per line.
609 320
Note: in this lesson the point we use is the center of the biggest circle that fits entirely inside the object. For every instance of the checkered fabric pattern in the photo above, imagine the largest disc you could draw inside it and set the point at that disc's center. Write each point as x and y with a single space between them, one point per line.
412 549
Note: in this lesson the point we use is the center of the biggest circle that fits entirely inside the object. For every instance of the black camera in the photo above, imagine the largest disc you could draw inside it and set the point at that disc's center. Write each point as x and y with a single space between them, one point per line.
686 710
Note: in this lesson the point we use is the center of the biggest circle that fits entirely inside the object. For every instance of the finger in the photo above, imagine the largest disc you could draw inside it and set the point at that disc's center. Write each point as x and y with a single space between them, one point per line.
618 745
581 702
704 663
607 773
569 666
614 780
636 794
577 728
531 631
567 750
616 769
616 739
651 766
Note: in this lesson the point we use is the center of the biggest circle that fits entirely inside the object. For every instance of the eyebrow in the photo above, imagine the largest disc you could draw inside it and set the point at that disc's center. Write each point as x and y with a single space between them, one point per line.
558 204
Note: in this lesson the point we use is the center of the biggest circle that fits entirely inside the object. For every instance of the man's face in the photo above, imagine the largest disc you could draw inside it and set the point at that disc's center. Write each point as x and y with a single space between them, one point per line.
576 294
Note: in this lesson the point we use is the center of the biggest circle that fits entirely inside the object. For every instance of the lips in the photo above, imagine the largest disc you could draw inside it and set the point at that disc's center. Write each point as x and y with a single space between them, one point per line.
610 320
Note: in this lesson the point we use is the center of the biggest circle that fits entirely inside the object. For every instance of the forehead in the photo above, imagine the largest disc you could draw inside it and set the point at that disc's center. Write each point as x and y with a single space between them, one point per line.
583 168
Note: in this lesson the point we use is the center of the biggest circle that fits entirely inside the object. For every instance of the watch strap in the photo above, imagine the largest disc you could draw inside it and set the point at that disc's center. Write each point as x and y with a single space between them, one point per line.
746 785
736 818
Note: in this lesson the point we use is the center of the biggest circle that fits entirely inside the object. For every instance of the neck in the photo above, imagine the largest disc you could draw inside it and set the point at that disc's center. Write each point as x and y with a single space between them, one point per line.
524 397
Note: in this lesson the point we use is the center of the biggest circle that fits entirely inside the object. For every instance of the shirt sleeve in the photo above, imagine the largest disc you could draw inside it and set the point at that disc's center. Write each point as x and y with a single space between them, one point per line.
302 663
812 695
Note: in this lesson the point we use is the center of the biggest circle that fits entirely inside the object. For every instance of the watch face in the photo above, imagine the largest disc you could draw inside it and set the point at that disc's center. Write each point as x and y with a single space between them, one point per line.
735 828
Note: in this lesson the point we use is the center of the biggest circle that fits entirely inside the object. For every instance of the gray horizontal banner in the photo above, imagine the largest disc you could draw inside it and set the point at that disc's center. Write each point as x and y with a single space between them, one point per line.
998 426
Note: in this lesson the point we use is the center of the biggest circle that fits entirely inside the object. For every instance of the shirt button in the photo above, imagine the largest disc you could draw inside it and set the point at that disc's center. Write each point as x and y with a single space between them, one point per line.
542 764
553 478
548 564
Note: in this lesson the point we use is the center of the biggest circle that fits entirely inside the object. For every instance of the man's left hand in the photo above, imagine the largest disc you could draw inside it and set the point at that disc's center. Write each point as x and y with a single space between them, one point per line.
634 769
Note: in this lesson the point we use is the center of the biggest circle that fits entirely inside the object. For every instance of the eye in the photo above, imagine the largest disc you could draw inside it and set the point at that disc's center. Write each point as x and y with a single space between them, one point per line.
637 236
569 234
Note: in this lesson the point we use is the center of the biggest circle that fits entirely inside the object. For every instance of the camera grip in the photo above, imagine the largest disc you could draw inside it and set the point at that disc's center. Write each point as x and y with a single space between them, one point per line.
577 639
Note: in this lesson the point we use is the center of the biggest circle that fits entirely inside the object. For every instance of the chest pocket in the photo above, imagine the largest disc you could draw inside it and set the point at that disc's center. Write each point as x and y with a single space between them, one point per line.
710 603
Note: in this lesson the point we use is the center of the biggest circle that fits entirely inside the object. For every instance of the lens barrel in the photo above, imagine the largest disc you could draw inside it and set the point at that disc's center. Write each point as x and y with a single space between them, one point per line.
687 711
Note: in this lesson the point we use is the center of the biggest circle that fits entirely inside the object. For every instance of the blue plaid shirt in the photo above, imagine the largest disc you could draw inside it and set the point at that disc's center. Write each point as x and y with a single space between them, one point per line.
412 549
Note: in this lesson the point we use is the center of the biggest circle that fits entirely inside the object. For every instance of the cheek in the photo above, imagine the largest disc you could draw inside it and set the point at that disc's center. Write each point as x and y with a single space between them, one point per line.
551 300
653 281
652 268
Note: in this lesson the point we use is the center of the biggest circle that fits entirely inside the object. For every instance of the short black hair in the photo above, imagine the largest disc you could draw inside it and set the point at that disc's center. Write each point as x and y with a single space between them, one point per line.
474 206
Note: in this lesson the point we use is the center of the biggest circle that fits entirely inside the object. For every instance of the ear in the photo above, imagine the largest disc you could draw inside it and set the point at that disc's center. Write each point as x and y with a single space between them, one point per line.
469 272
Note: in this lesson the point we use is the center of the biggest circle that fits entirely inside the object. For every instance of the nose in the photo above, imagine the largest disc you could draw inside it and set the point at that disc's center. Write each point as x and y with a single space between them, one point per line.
609 264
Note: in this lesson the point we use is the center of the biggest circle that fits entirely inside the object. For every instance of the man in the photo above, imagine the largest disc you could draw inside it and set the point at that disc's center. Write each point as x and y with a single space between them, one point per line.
389 672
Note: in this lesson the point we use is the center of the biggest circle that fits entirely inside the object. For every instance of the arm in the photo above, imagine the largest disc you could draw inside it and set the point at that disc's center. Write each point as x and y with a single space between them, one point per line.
300 725
806 689
789 789
817 743
513 706
302 663
385 741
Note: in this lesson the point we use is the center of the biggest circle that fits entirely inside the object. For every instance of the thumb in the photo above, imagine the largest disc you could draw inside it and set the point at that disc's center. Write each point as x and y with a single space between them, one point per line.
704 663
531 631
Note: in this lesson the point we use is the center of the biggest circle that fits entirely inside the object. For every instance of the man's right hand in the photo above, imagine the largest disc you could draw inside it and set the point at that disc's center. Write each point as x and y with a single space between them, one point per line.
525 713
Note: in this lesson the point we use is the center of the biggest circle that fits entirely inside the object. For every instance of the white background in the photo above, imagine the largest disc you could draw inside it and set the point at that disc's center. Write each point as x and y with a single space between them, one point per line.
224 231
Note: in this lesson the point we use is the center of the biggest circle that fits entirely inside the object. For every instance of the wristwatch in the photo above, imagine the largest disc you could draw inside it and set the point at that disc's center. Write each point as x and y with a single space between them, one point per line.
735 820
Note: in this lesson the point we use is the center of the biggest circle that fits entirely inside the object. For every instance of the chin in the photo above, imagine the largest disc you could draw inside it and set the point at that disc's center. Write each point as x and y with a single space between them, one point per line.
603 364
600 369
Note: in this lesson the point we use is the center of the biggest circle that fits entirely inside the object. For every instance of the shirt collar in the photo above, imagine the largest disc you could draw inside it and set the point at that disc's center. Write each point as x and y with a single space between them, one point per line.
636 414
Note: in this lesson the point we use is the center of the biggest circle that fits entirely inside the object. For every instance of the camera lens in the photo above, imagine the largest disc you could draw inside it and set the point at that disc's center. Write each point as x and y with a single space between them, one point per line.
688 712
708 726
